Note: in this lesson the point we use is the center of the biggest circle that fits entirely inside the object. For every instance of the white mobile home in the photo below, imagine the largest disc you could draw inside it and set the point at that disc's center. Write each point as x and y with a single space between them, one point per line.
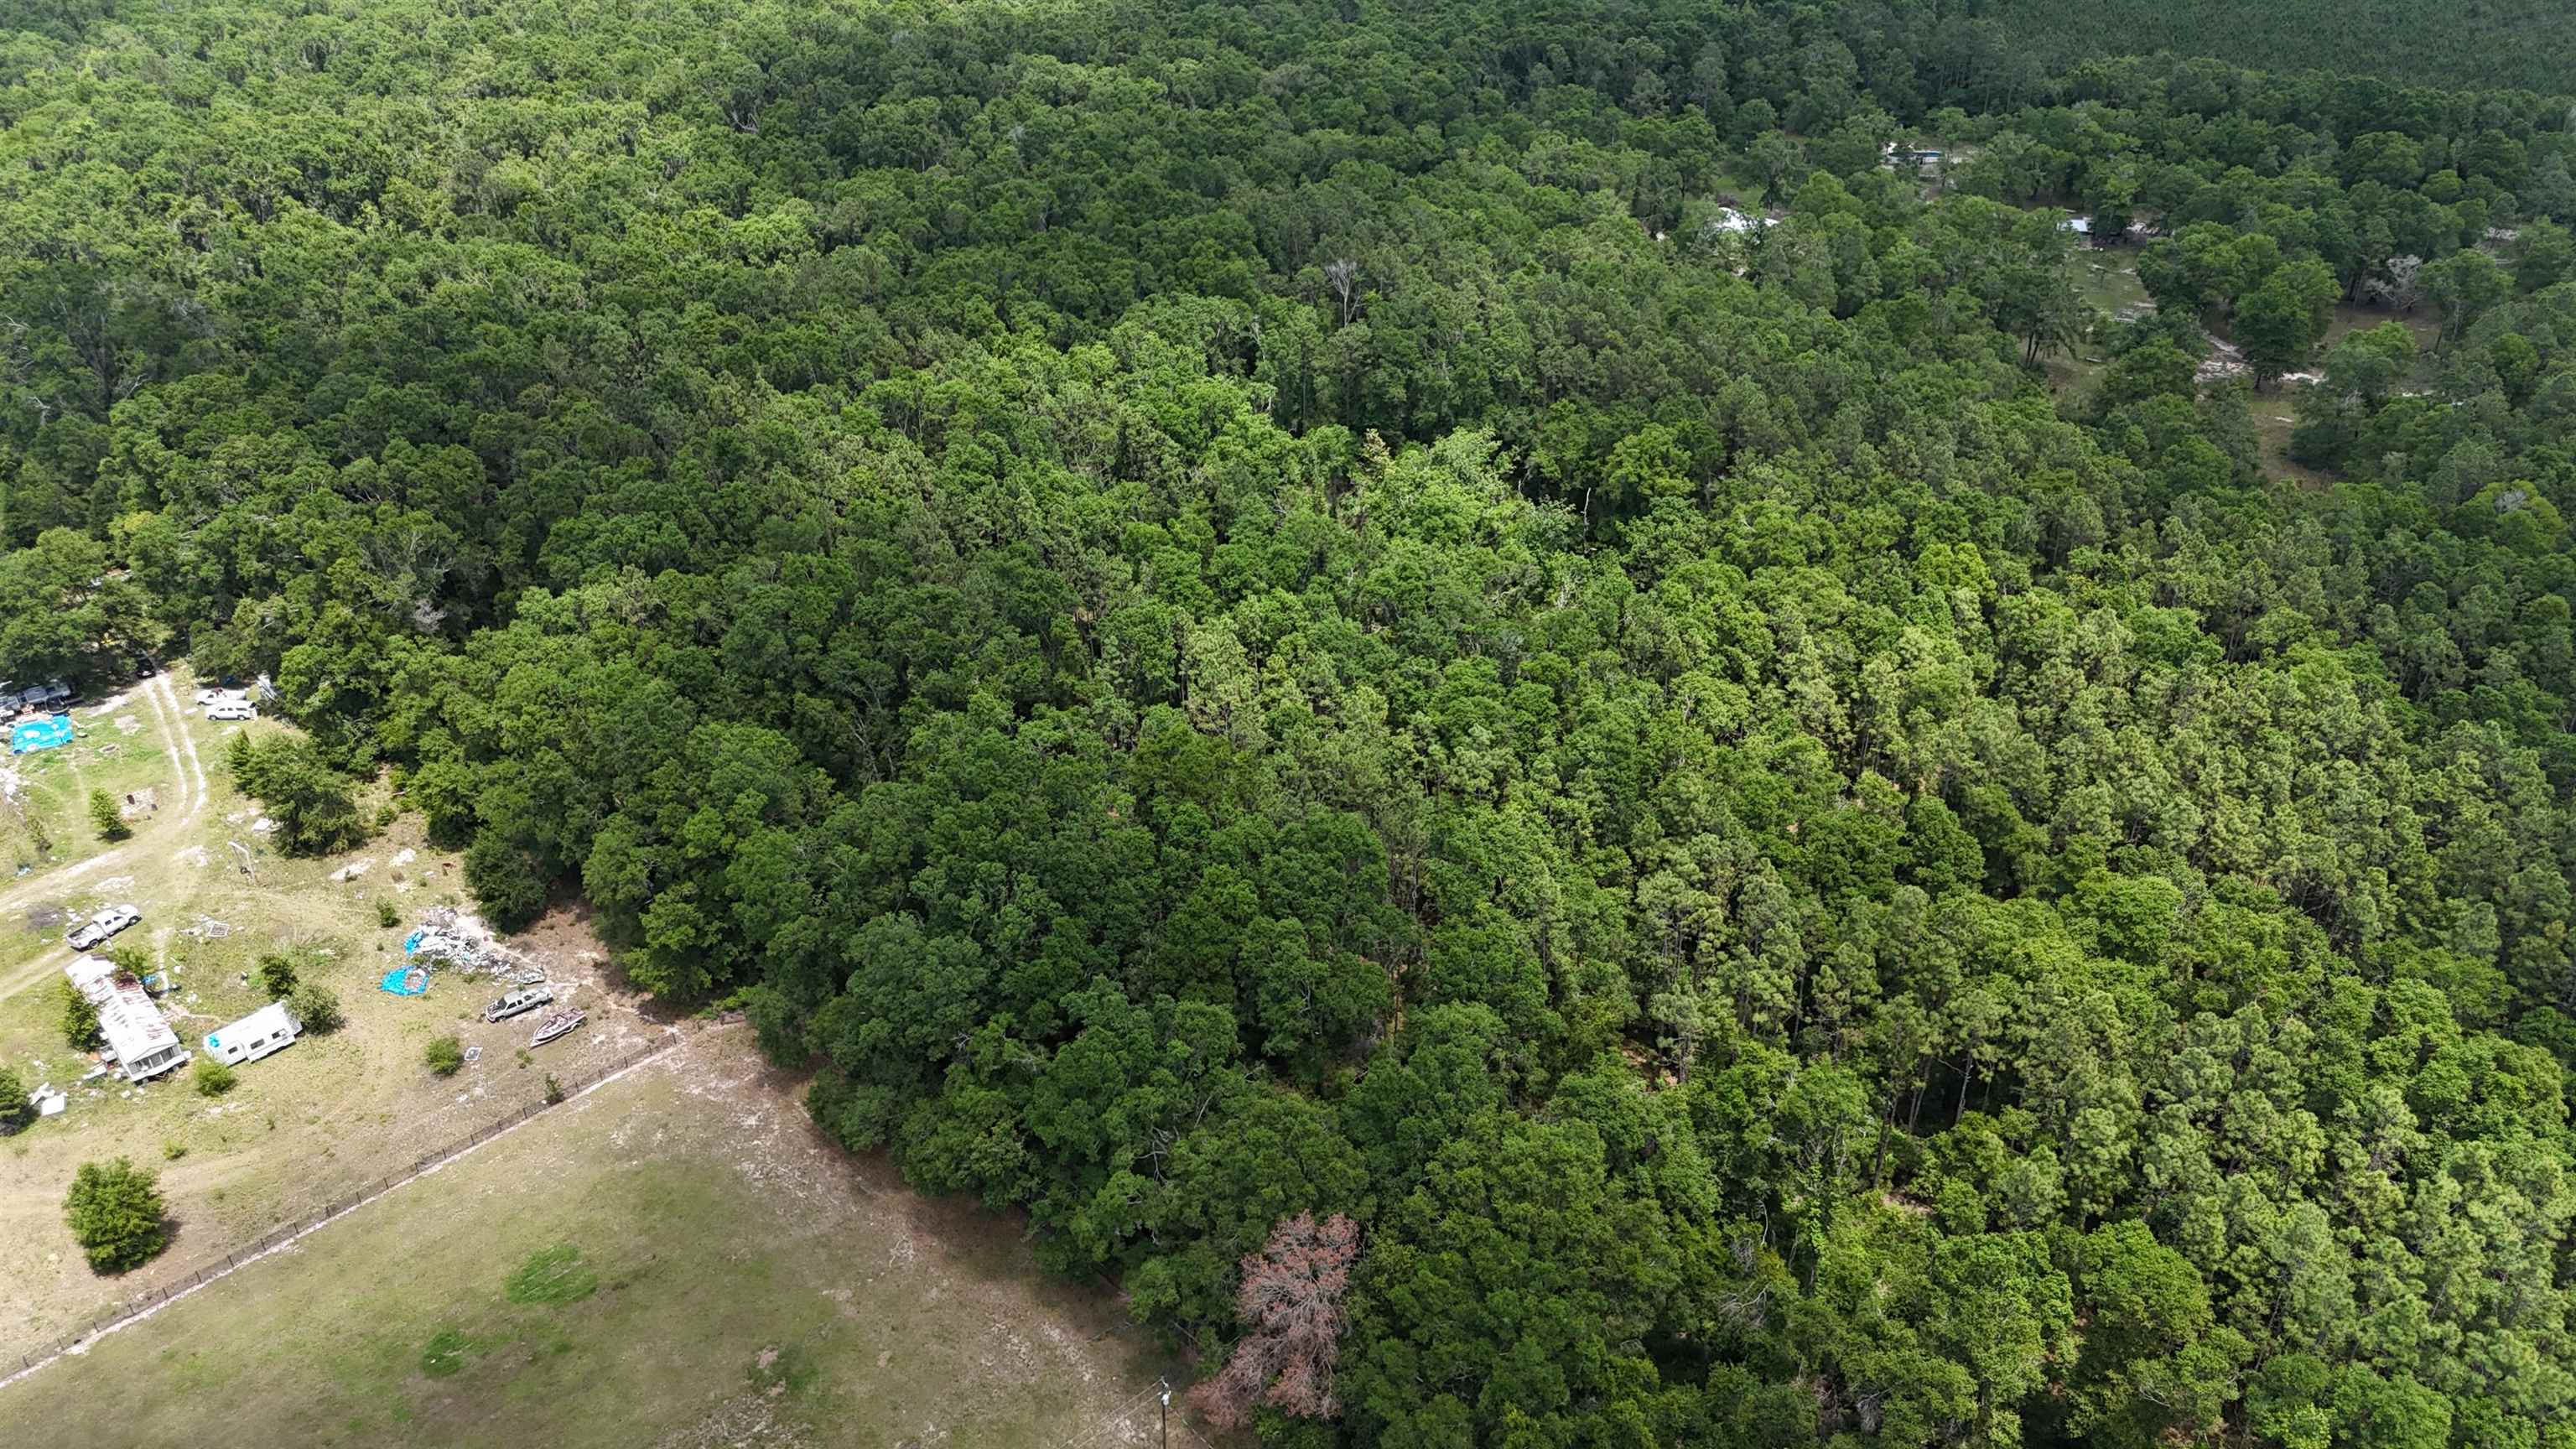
141 1043
266 1030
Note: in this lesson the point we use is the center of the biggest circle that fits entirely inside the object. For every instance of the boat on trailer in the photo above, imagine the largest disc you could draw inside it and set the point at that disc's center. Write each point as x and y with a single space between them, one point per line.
514 1002
555 1026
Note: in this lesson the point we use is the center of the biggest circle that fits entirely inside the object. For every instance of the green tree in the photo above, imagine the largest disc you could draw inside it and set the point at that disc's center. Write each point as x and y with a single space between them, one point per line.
315 1007
315 807
276 975
214 1078
2280 322
17 1109
80 1021
104 814
116 1215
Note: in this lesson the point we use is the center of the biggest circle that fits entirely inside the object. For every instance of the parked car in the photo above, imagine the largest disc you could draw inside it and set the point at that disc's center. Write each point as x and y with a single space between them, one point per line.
231 709
105 924
515 1002
215 696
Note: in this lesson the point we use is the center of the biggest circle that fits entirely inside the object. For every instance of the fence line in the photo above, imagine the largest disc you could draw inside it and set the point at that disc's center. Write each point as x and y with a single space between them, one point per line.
284 1233
1121 1426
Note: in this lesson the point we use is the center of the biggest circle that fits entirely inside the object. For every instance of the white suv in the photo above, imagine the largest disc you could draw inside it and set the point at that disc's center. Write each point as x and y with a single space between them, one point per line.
231 709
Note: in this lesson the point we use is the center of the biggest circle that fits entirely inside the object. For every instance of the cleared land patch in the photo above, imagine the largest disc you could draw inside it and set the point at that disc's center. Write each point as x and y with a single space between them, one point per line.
306 1128
677 1258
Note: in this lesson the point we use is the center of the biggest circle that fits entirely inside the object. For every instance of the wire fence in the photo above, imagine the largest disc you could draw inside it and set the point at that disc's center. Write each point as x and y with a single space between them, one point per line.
284 1233
1139 1422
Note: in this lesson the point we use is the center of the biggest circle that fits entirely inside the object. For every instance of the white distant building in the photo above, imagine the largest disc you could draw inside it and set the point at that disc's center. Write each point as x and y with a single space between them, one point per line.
140 1041
266 1030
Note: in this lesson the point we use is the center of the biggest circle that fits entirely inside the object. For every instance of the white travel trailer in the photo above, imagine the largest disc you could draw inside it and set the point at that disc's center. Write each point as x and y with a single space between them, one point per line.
269 1029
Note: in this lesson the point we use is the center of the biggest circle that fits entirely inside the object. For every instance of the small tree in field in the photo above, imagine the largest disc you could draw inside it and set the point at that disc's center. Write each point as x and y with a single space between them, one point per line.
1291 1308
276 976
104 814
115 1214
17 1109
315 1008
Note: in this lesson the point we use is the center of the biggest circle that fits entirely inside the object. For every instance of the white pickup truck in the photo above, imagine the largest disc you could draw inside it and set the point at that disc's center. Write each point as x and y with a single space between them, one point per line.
105 924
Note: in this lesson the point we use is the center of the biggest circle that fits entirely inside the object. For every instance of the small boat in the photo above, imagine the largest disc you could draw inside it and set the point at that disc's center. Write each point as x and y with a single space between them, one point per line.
514 1002
555 1026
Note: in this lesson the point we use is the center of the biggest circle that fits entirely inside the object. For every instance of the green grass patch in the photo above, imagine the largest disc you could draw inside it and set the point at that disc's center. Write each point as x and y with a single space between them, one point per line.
790 1369
446 1353
551 1275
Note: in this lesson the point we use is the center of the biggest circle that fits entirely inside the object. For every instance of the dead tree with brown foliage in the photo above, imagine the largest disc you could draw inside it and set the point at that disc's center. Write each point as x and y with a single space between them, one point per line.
1291 1307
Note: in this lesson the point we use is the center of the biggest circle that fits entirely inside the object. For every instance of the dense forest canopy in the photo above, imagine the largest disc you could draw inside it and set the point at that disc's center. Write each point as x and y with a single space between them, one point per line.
2493 43
1463 628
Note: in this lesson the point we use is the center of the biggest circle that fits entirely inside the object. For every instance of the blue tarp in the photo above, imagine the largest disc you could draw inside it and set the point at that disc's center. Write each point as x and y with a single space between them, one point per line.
406 981
40 734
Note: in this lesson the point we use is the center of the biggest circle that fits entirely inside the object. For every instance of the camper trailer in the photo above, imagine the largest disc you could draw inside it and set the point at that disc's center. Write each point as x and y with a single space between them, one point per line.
266 1030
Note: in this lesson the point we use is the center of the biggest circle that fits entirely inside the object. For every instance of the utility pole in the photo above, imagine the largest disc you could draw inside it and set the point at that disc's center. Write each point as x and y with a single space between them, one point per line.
1167 1416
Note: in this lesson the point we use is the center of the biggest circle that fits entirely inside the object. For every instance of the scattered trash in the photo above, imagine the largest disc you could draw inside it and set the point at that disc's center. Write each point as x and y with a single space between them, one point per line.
45 917
353 870
49 1101
406 856
473 1054
263 826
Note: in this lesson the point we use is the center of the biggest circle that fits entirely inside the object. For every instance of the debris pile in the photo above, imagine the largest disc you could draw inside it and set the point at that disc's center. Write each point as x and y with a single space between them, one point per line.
449 940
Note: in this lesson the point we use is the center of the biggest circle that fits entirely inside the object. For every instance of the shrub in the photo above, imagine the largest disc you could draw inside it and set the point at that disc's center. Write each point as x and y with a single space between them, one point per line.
17 1109
387 916
173 1150
444 1056
115 1213
80 1021
316 1008
214 1078
554 1090
276 976
104 814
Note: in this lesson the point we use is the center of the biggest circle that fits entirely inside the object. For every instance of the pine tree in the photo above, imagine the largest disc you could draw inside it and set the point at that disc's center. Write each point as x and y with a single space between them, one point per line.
115 1213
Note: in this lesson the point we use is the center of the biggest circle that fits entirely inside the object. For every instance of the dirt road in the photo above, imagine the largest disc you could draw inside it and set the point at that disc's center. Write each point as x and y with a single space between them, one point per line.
188 779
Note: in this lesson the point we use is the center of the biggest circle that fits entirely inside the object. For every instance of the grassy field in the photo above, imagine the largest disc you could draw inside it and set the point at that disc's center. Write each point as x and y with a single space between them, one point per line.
123 744
2107 279
675 1259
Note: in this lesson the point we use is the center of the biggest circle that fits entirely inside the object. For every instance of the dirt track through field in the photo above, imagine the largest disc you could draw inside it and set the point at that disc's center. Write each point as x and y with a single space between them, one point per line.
188 778
173 717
